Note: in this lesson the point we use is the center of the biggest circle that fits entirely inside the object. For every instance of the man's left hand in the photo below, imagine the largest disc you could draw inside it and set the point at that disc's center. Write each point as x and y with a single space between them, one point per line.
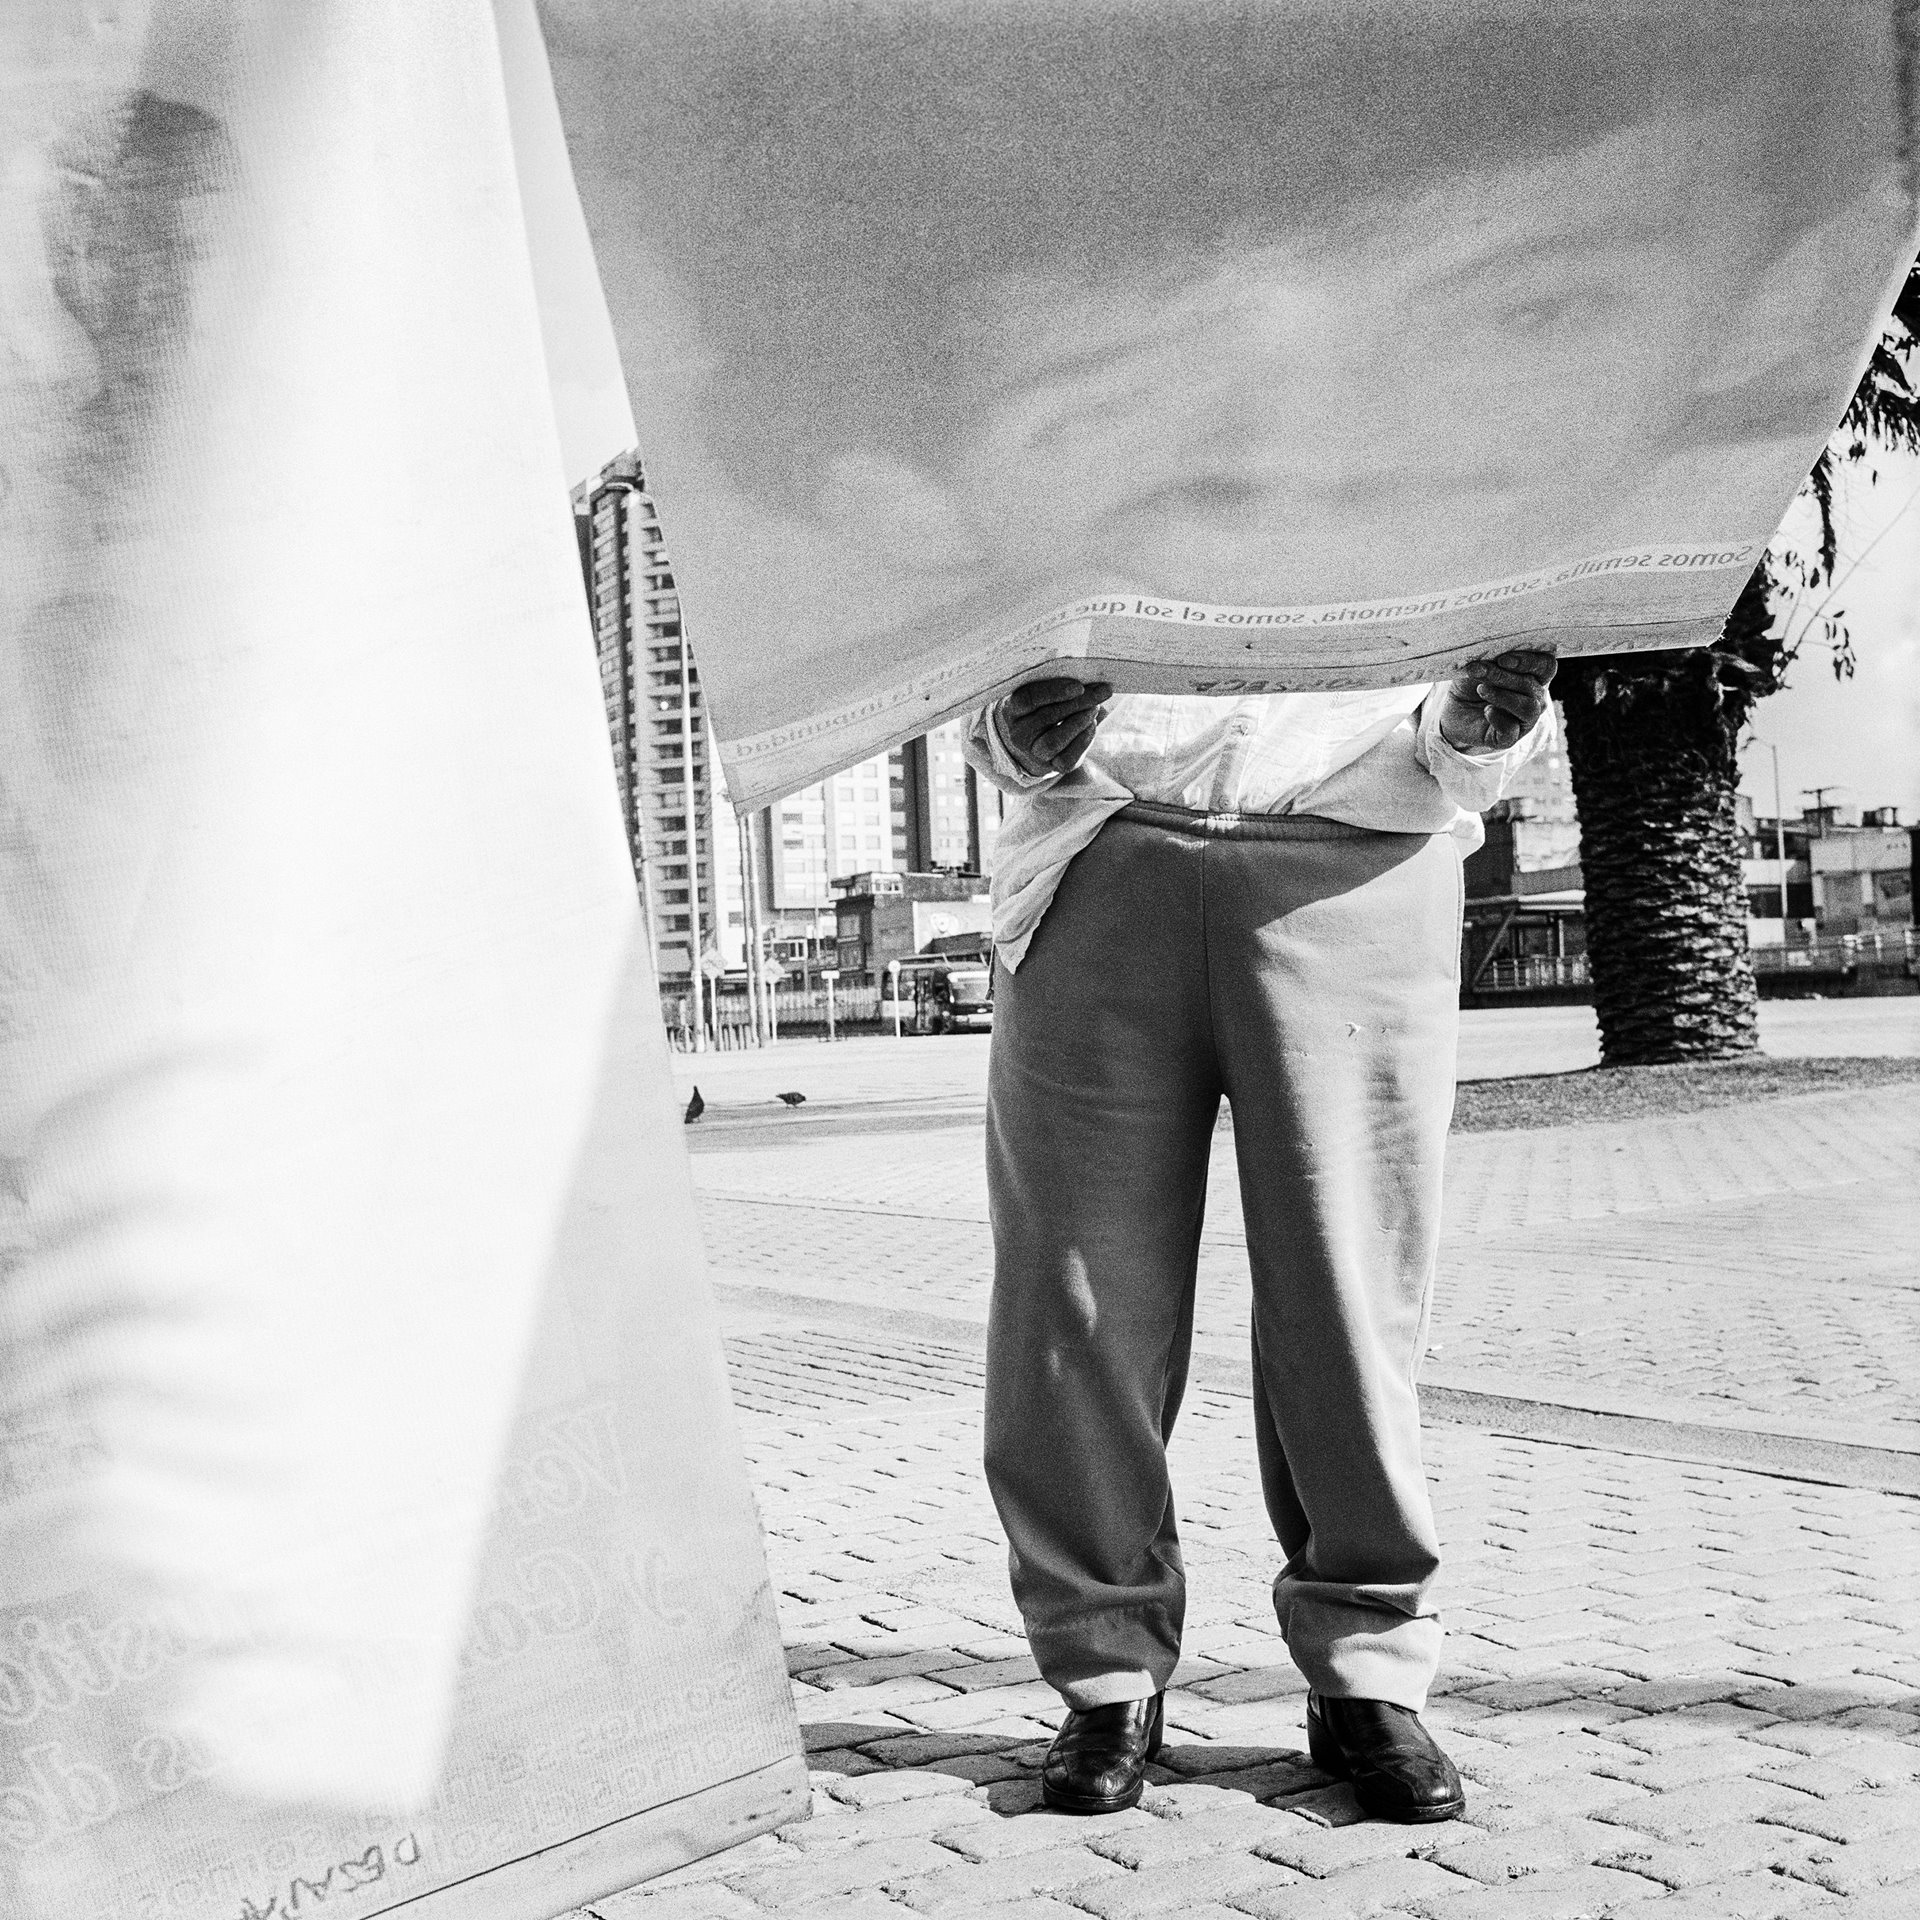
1489 704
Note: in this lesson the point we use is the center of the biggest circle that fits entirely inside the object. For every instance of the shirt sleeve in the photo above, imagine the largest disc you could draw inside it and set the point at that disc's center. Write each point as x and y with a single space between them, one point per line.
987 753
1474 781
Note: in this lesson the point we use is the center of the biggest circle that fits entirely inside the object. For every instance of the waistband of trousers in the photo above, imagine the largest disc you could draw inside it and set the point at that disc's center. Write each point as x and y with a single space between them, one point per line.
1241 826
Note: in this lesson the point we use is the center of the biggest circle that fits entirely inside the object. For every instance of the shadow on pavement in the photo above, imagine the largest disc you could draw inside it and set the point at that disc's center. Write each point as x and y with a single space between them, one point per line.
1007 1767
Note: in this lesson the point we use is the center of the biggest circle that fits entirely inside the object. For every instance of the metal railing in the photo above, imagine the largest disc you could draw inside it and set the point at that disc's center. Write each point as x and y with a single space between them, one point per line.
1888 943
1833 954
1532 971
1842 952
807 1006
730 1018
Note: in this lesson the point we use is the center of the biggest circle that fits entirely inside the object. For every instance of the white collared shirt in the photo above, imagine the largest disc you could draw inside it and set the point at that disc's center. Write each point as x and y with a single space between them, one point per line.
1372 759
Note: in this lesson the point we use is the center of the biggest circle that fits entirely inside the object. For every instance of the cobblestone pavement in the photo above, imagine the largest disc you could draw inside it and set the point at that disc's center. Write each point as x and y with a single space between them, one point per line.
1675 1688
1797 1303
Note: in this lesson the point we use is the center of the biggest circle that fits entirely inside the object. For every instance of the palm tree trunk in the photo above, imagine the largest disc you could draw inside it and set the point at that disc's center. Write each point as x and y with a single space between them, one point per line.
1654 771
1651 739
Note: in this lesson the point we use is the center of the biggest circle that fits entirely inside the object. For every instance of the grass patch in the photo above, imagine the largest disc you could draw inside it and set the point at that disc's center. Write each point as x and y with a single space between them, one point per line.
1597 1094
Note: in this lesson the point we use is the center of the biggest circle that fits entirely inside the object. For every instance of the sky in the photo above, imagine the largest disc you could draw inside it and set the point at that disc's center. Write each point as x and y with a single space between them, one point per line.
1859 737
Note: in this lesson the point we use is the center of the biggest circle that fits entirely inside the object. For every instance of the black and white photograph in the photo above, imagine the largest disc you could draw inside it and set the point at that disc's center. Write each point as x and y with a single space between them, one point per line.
957 959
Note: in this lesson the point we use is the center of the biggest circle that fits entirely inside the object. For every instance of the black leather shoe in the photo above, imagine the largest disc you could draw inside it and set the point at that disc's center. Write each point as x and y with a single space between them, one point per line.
1397 1770
1098 1760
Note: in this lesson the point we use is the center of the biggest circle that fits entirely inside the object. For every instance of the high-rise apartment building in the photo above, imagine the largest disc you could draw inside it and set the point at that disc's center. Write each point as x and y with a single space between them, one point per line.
915 809
851 822
952 816
683 834
1539 803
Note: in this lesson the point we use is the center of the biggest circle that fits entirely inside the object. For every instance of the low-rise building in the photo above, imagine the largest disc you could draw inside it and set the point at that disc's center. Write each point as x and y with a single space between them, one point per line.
891 916
1525 927
1848 921
1862 873
1844 874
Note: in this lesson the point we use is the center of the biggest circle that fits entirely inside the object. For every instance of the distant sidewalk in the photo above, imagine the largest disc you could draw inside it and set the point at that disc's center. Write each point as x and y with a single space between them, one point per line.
1493 1043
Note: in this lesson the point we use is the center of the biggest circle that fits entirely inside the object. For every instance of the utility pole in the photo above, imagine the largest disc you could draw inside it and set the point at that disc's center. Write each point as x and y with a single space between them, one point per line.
1780 842
1820 803
696 985
750 915
743 825
1820 814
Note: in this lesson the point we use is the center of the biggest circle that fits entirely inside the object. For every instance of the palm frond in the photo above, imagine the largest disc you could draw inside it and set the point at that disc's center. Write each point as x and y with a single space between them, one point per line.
1883 413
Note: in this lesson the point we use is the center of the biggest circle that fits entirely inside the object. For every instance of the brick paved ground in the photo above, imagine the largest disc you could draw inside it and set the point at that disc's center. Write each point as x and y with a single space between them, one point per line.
1795 1305
1683 1689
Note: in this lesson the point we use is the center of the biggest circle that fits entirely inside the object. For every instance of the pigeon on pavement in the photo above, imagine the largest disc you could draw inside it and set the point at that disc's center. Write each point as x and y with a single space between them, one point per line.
792 1099
695 1107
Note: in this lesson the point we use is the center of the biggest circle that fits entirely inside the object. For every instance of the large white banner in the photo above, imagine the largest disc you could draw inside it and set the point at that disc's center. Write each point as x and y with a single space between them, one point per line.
1240 346
373 1530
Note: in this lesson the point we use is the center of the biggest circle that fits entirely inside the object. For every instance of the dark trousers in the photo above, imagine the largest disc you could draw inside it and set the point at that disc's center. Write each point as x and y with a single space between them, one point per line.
1307 972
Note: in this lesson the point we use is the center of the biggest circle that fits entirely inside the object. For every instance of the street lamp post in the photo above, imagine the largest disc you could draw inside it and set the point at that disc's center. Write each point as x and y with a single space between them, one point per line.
1819 795
893 993
696 987
1779 840
830 975
750 926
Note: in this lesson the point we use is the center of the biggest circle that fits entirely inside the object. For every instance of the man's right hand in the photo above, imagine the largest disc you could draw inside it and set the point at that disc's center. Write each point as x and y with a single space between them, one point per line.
1049 724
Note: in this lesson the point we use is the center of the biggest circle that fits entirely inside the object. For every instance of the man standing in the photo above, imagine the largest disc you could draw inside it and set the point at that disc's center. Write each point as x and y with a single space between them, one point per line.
1257 899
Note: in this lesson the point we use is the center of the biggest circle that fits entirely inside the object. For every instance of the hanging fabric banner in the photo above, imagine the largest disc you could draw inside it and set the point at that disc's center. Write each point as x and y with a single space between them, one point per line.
1234 347
374 1534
